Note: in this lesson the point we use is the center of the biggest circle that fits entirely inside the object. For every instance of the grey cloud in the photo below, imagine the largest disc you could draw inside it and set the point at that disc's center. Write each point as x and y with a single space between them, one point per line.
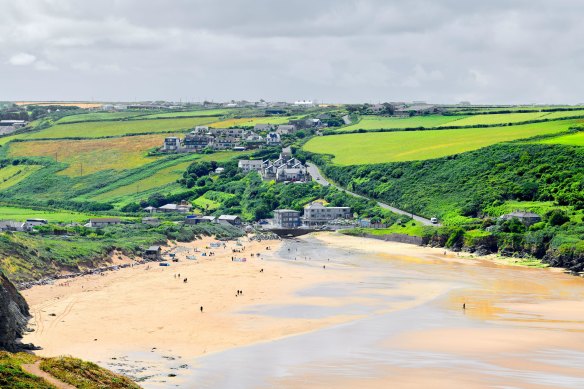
496 51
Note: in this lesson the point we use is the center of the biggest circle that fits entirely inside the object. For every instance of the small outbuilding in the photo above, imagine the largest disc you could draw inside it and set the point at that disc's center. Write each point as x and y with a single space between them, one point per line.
527 218
153 253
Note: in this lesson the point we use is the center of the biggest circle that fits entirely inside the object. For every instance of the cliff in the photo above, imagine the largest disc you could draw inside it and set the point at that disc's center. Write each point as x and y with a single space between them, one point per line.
14 315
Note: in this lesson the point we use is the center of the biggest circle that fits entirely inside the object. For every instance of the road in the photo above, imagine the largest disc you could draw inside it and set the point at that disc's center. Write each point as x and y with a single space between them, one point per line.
318 177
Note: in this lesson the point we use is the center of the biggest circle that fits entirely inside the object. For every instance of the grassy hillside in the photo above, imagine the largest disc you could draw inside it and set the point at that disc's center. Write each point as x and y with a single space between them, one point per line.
70 370
92 155
21 214
576 139
117 128
145 181
353 149
11 175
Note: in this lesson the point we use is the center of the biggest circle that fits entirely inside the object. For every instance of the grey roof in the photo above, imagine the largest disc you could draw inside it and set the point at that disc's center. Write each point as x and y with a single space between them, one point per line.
522 214
153 248
105 220
228 217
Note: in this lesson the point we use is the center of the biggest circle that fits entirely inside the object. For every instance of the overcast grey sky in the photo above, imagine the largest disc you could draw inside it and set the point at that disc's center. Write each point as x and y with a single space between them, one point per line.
484 51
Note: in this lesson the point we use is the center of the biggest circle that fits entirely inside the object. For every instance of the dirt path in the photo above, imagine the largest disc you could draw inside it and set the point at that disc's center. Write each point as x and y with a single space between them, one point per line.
35 369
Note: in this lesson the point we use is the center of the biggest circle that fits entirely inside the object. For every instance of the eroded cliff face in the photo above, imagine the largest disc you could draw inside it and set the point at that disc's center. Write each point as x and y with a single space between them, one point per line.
14 315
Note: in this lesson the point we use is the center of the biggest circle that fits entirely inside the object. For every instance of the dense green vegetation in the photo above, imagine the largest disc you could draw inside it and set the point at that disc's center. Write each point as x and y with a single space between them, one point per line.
379 147
464 190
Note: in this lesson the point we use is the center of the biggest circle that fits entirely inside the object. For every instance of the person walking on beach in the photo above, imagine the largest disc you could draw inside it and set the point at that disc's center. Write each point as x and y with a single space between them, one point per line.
201 309
463 306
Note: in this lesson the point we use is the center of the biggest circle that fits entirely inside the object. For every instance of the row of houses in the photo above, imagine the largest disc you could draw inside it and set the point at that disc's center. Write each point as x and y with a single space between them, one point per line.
285 168
182 207
219 139
315 215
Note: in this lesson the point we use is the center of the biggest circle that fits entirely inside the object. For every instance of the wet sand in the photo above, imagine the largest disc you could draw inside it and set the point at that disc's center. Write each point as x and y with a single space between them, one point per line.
379 313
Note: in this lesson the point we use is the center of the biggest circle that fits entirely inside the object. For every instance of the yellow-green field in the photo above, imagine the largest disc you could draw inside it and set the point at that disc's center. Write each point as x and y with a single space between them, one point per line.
12 175
93 155
117 128
203 112
21 214
379 147
250 122
83 117
162 177
384 122
576 139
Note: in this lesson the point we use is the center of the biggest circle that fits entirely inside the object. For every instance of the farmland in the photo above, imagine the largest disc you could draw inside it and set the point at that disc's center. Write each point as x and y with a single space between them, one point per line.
21 214
250 122
382 122
205 112
162 177
93 155
117 128
98 116
12 175
382 147
576 139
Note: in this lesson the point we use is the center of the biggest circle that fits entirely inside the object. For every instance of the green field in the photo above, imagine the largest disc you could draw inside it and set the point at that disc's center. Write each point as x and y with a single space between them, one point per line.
203 112
250 122
492 119
563 114
383 122
211 200
576 139
21 214
380 147
12 175
90 116
162 177
118 128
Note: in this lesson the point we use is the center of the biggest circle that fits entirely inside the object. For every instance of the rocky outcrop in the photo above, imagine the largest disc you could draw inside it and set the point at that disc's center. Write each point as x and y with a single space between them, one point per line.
14 315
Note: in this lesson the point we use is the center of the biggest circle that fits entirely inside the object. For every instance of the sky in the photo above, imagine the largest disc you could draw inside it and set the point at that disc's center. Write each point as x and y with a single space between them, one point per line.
331 51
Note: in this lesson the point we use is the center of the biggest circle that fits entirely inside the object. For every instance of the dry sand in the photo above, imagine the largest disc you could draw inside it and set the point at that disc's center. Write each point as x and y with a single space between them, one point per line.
146 307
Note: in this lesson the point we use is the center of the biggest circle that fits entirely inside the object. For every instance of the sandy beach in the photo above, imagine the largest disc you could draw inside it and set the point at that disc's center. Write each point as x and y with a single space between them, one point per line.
148 309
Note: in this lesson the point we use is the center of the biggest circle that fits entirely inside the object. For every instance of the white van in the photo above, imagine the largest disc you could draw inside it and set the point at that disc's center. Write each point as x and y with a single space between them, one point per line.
434 220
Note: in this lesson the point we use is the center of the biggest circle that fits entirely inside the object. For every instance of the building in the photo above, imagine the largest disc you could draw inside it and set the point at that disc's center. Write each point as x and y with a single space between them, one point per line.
29 224
254 140
171 143
304 103
273 139
316 214
194 142
152 221
286 129
153 253
234 220
11 225
527 218
226 143
263 127
249 165
103 222
183 207
286 218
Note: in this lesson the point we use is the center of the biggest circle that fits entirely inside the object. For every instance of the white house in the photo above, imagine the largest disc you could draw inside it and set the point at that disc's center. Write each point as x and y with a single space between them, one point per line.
316 214
273 139
171 143
248 165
